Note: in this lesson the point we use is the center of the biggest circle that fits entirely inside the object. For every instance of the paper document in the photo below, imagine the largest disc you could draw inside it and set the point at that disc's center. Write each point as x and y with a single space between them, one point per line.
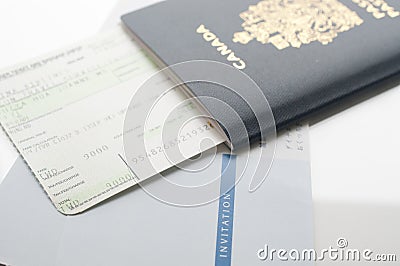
65 114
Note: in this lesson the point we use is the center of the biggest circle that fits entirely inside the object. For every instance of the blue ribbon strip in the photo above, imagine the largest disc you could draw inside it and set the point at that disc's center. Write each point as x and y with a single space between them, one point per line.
226 211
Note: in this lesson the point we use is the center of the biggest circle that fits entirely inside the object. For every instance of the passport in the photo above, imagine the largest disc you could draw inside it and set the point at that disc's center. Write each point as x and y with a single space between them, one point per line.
305 55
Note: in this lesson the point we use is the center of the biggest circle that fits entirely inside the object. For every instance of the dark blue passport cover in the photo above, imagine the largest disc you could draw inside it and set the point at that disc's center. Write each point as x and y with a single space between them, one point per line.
305 55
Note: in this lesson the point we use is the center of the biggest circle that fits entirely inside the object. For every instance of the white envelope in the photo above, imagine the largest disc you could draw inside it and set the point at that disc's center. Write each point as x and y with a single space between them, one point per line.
136 229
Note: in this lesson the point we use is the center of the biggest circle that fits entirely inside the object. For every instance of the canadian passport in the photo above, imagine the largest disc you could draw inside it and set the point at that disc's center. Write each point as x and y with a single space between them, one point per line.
305 55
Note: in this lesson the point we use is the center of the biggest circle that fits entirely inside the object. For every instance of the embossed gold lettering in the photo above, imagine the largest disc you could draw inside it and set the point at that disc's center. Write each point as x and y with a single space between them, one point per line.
222 48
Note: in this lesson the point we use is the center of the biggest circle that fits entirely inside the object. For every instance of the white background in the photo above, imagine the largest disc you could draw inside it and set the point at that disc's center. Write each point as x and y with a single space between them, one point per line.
355 155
